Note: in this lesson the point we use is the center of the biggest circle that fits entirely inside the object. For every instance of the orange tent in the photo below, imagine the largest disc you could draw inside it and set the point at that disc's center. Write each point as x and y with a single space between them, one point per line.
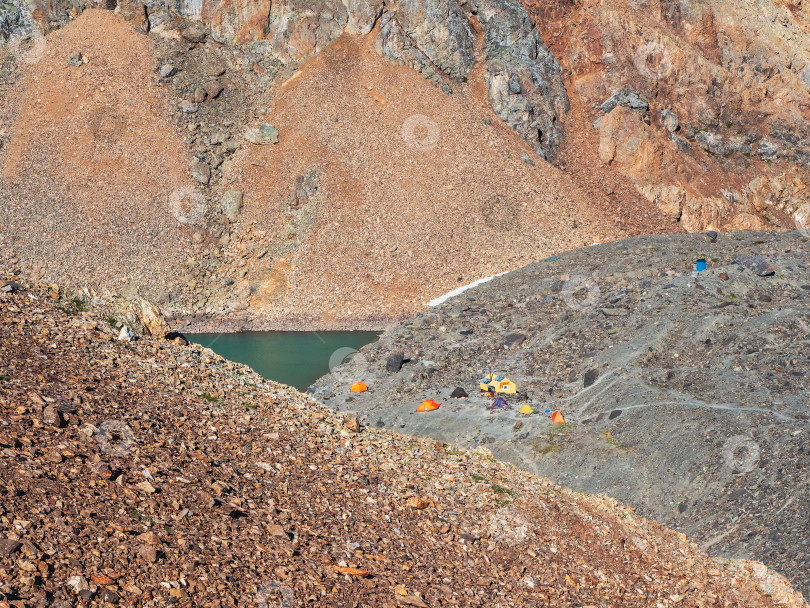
428 406
359 387
557 417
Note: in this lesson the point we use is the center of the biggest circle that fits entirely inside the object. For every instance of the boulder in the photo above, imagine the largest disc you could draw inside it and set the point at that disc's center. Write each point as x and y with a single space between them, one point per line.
142 315
200 95
188 107
262 135
201 171
758 264
670 121
394 362
195 31
9 546
213 89
12 287
232 204
167 70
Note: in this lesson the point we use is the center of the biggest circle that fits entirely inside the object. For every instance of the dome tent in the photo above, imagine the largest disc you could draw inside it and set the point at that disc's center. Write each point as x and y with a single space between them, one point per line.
359 387
428 406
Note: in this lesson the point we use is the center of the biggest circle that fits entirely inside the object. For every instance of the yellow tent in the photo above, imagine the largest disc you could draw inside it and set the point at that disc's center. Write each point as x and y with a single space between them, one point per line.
499 383
526 409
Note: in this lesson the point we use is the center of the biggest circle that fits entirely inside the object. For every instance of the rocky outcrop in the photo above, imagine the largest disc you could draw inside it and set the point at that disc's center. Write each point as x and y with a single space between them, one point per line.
297 29
524 82
363 15
432 36
727 84
16 21
238 22
142 316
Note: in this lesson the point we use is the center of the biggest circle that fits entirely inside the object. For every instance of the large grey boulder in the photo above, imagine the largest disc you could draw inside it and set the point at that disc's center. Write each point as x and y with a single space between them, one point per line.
232 204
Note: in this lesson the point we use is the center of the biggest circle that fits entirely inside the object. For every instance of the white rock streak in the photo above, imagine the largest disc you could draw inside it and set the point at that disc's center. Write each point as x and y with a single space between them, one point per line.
460 290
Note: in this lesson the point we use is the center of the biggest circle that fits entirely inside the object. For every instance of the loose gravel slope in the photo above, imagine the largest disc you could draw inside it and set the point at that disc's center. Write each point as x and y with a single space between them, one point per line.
148 473
687 395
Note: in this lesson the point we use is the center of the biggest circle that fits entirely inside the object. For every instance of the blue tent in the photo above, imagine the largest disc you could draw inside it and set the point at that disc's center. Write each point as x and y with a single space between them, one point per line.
499 403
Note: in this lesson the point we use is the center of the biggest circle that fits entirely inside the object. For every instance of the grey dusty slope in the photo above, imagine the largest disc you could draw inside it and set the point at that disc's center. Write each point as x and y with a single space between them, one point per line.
687 396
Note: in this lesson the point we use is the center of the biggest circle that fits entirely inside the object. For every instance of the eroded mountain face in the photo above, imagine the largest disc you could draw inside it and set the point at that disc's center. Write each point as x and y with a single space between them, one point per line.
704 105
140 162
436 37
420 127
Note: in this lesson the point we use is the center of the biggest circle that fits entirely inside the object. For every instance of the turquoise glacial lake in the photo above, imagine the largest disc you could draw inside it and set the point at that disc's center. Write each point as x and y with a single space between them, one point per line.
296 358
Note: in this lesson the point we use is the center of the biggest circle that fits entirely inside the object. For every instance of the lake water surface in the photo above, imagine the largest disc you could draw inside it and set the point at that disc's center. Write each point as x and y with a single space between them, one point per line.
296 358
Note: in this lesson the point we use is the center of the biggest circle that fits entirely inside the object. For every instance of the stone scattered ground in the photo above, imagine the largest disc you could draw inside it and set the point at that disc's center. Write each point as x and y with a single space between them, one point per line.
364 217
89 161
148 473
685 396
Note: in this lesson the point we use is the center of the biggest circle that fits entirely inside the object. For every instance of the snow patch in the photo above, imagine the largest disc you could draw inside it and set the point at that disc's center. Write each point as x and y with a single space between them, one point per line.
460 290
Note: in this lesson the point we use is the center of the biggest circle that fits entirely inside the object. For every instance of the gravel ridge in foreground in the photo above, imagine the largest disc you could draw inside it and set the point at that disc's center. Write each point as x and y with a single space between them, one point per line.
148 473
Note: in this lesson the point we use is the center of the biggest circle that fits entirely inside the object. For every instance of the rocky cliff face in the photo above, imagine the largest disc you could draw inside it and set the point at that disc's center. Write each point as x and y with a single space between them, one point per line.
436 38
719 136
523 77
721 140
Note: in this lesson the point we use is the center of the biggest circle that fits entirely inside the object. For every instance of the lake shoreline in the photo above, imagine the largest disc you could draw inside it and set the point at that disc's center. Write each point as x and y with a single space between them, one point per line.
207 323
294 358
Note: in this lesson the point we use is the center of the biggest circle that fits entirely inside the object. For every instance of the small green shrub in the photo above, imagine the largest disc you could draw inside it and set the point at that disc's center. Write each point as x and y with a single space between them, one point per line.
502 490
